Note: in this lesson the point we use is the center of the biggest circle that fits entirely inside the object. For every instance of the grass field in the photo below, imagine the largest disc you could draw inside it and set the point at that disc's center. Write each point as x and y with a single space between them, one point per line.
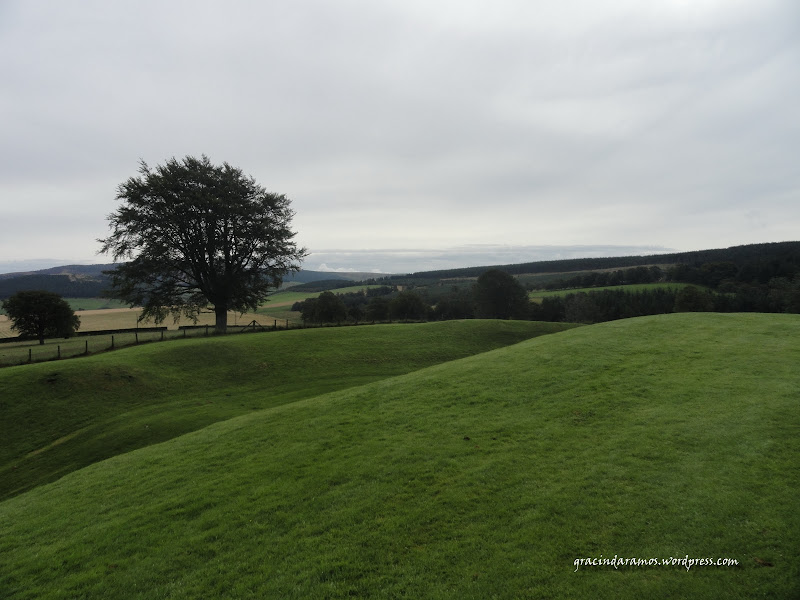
638 287
19 352
484 477
81 411
100 313
81 304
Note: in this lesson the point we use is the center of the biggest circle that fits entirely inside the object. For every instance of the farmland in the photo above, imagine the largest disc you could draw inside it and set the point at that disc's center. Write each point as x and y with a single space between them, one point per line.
101 313
98 314
474 477
17 352
537 295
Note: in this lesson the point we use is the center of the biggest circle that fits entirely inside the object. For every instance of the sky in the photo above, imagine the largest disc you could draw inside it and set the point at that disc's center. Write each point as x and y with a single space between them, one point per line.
412 134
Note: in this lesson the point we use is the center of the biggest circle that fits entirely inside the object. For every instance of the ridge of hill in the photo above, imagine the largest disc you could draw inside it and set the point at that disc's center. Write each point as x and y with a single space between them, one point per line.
88 281
486 477
766 252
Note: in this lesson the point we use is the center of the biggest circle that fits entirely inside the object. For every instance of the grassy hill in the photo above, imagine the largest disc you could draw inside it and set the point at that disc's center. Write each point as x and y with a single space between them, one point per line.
58 417
485 477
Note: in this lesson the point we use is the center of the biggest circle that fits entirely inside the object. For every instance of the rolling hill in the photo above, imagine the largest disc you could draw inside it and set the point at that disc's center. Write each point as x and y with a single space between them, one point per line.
482 477
58 417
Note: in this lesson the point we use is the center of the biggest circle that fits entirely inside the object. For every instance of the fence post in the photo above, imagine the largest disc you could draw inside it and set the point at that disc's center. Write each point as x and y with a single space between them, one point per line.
184 333
86 347
162 335
112 342
59 351
30 355
137 336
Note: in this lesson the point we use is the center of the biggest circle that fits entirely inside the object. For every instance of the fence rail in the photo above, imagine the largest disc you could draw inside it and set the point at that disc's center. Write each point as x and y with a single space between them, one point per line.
18 352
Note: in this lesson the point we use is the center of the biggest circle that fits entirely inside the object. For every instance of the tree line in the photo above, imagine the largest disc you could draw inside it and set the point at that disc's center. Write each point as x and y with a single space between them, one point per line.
748 253
496 295
756 285
189 235
499 295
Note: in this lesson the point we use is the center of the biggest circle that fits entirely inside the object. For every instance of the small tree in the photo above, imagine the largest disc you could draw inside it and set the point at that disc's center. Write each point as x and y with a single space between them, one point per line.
378 308
499 295
328 308
407 306
197 235
693 299
40 314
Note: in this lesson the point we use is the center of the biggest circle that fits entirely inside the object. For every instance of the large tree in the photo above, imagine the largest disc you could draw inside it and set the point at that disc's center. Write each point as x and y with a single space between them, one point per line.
197 235
498 295
40 314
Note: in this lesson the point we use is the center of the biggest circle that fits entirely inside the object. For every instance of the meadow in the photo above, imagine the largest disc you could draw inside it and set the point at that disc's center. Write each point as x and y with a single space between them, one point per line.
80 411
485 476
103 313
537 295
99 314
20 352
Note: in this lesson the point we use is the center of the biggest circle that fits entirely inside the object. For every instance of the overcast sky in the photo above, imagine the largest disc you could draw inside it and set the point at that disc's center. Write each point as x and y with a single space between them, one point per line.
400 128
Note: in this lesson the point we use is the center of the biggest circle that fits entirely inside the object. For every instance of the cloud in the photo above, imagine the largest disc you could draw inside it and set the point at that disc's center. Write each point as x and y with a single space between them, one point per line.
325 268
410 124
410 260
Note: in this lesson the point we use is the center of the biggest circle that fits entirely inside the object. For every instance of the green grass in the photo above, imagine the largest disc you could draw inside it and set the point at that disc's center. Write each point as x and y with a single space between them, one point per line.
20 352
480 478
30 351
59 417
81 304
636 287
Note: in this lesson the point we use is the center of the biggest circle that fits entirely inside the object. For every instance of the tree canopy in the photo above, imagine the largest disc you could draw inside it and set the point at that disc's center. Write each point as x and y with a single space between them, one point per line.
499 295
39 314
327 308
199 235
407 306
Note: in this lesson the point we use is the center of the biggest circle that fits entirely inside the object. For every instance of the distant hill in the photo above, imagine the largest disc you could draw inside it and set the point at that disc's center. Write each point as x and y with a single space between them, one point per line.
750 253
76 270
770 259
88 281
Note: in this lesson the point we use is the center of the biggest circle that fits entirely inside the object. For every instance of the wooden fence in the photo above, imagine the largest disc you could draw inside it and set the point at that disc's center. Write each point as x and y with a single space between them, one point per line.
15 351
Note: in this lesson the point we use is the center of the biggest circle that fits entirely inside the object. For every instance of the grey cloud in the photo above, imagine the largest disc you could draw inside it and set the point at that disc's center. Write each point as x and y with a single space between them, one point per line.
411 123
411 260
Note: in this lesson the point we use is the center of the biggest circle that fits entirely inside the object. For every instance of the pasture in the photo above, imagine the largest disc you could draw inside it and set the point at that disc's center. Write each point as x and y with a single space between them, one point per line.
275 313
102 314
19 352
82 411
537 295
481 477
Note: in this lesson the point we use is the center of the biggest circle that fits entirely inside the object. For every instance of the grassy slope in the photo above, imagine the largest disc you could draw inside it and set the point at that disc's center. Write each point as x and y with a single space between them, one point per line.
653 437
58 417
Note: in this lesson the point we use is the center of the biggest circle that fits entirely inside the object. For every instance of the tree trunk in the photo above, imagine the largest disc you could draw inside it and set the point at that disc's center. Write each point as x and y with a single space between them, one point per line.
221 313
